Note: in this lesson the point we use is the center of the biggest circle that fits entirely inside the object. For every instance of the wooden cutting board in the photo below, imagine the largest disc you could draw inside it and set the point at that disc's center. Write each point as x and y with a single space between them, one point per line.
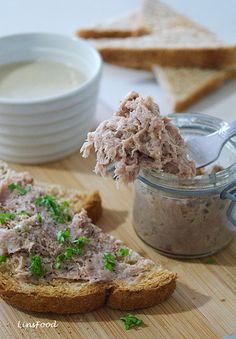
203 305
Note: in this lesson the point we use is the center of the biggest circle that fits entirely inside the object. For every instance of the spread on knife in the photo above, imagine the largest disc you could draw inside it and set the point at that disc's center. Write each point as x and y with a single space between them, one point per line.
137 136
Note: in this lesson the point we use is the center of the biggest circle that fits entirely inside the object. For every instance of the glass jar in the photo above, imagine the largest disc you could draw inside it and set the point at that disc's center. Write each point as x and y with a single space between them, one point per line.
194 217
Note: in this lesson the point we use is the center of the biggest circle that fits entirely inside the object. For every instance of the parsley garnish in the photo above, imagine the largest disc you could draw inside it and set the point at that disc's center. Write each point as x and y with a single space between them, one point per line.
130 320
80 244
5 216
3 258
70 250
62 235
58 211
67 254
123 252
109 261
23 213
21 190
39 218
211 261
36 266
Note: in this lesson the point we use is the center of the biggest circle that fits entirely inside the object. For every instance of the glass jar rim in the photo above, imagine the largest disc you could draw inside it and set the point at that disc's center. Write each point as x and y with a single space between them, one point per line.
200 183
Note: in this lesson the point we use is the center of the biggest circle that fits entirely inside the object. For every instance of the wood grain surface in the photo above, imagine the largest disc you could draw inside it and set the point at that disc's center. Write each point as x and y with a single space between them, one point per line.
203 305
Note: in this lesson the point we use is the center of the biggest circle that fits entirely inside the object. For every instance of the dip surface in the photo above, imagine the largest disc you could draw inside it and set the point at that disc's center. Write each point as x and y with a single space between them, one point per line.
39 78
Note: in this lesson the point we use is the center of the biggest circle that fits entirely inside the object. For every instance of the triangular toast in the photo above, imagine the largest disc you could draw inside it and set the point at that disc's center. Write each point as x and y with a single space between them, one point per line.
52 263
174 40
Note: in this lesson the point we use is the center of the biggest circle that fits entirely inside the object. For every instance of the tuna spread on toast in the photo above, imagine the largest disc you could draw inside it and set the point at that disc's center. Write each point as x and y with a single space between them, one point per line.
41 239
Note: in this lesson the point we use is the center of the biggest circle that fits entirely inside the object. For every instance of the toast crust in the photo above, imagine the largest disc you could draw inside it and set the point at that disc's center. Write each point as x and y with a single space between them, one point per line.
71 297
96 34
219 57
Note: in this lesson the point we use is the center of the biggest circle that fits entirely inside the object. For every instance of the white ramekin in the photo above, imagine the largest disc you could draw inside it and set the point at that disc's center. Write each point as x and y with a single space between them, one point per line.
36 131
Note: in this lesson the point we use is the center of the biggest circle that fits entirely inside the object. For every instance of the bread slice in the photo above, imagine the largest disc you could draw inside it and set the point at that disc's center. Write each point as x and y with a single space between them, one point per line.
183 86
143 285
174 40
128 25
75 297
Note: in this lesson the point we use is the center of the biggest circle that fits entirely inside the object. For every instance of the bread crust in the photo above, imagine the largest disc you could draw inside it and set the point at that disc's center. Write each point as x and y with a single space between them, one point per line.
219 57
96 34
64 299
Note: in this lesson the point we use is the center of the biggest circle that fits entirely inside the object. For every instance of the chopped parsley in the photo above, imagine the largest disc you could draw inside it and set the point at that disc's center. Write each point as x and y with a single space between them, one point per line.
80 243
130 320
211 261
23 213
109 261
36 266
39 218
67 254
70 250
5 216
3 258
123 252
21 190
62 235
58 211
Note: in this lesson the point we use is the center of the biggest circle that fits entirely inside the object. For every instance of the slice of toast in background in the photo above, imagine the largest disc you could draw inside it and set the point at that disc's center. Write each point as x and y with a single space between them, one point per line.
183 85
131 24
174 40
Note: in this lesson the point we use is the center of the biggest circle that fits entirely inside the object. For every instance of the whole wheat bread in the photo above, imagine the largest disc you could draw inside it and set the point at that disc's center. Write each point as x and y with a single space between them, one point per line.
60 295
174 40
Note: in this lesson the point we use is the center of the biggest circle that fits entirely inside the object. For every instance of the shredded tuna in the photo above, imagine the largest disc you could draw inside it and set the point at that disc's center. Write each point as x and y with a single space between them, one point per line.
24 235
137 136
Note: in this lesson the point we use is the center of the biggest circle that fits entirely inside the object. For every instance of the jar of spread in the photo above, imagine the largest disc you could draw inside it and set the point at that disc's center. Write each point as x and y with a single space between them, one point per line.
194 217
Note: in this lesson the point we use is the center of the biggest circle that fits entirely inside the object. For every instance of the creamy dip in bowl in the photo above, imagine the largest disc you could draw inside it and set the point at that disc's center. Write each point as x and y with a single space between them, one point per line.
48 92
193 217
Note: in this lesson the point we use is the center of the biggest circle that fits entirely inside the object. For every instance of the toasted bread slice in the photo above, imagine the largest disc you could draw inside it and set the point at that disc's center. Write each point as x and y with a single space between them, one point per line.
184 86
174 41
60 296
131 24
142 283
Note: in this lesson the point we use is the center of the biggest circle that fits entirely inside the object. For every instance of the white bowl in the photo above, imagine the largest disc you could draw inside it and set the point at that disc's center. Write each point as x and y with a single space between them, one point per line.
46 128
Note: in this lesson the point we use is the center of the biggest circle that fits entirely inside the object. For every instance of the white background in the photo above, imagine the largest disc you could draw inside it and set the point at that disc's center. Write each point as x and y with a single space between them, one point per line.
65 16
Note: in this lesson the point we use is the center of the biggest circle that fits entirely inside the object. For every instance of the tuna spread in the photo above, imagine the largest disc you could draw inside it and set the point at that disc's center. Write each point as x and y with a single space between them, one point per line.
41 238
137 137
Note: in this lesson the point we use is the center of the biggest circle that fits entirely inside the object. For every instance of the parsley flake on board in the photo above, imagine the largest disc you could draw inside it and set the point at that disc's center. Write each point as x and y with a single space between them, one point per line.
109 261
5 216
62 235
21 190
36 266
130 320
3 258
59 210
211 261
